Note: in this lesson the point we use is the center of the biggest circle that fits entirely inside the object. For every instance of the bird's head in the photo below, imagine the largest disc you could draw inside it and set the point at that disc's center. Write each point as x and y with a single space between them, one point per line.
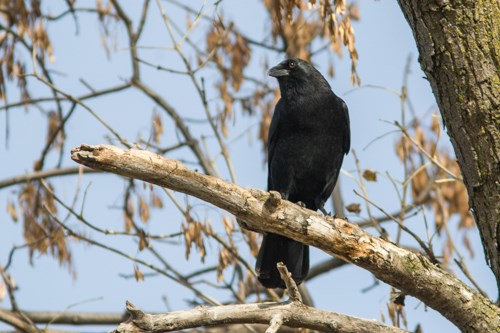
297 74
289 68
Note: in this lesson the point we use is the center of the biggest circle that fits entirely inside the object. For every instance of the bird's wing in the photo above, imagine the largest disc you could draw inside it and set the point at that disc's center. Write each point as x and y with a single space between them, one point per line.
347 134
346 145
272 138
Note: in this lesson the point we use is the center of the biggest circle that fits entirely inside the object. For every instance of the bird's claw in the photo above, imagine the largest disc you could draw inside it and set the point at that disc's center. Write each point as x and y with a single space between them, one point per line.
325 212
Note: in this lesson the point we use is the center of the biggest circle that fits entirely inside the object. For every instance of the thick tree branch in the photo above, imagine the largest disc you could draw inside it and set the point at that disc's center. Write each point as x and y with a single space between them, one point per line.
410 272
460 55
293 314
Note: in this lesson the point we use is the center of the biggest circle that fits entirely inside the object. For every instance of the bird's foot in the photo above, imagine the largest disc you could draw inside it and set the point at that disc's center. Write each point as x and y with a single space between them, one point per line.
325 212
301 204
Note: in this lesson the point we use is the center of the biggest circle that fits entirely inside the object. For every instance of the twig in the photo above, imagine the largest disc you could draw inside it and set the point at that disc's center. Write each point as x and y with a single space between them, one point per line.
291 286
325 266
55 133
79 102
12 319
199 89
57 98
431 158
275 324
374 222
426 249
45 174
203 296
82 219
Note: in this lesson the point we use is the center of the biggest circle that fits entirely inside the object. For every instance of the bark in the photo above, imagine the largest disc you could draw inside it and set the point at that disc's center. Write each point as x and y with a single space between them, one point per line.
291 314
458 42
264 211
16 321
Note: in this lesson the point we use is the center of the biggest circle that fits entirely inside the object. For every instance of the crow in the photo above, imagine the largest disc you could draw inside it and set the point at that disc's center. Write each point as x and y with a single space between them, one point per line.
308 137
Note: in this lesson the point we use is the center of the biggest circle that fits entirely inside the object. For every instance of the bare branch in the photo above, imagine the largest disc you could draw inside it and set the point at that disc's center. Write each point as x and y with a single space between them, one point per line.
12 319
44 174
275 324
410 272
76 318
324 266
60 98
291 286
293 314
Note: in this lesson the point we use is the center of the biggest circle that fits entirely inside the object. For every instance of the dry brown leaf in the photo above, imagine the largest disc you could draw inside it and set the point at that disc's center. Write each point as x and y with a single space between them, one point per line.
157 128
391 311
128 222
193 235
144 241
331 71
11 209
370 175
225 258
156 200
130 206
139 276
143 210
354 208
251 241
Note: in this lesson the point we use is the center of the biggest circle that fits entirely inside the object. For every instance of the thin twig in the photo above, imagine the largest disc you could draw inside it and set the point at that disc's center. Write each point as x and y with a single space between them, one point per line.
291 286
402 226
203 296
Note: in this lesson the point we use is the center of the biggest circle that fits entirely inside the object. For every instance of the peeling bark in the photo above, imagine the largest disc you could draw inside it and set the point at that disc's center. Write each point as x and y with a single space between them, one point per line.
408 271
459 46
291 314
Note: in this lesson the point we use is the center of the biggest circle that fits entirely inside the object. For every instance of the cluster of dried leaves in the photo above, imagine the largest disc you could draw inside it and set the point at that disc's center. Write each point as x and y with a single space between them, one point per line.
435 179
22 26
41 232
296 26
232 55
298 23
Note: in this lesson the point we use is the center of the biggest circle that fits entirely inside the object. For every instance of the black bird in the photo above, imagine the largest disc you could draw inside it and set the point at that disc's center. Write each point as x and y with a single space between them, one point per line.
308 137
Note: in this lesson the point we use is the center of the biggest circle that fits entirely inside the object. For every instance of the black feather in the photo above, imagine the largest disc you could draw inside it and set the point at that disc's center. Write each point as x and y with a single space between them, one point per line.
308 138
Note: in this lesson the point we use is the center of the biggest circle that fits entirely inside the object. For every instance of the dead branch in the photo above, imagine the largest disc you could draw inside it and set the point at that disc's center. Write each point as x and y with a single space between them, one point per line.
292 314
75 318
14 320
37 175
410 272
291 286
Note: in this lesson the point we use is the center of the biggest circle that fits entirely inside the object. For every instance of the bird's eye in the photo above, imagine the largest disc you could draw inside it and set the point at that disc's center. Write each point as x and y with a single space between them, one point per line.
292 64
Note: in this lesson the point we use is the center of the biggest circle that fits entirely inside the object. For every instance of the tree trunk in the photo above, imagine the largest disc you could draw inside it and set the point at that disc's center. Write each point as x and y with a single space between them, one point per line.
459 46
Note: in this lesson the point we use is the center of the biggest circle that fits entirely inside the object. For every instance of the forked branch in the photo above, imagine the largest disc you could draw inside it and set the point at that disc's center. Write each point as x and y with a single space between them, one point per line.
292 314
410 272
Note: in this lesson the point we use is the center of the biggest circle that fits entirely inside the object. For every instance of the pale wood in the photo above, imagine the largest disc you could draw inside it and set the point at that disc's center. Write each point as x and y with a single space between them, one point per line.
410 272
291 314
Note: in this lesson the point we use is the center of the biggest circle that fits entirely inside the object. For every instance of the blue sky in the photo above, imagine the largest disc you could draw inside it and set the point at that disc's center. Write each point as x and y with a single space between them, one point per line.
384 42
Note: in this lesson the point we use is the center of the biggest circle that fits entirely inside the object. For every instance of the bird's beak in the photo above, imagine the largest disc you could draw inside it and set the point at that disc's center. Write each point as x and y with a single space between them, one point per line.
278 71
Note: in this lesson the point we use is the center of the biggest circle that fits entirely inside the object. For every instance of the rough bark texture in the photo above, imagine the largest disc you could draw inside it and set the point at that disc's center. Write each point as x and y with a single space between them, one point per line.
410 272
291 314
459 46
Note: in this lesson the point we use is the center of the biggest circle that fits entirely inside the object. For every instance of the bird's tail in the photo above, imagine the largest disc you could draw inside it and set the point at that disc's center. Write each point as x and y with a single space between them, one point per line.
276 248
